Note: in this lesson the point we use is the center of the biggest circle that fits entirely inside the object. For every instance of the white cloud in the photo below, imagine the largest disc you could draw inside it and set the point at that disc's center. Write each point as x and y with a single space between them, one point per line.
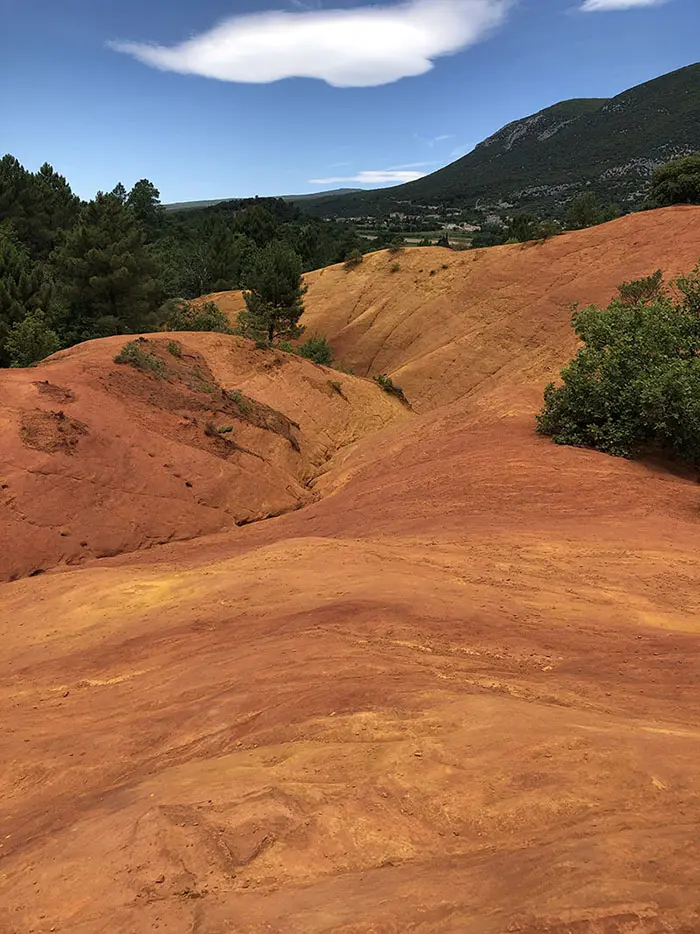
370 177
432 140
361 47
602 6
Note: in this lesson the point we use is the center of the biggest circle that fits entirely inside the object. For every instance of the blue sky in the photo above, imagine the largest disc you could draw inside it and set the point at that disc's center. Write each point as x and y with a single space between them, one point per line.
207 102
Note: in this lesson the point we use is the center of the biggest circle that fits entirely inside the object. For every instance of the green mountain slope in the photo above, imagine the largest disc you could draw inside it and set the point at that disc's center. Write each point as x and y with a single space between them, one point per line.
196 205
609 146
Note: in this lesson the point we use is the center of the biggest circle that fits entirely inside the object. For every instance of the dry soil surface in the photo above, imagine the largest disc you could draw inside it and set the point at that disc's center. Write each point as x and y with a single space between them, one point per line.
458 692
99 458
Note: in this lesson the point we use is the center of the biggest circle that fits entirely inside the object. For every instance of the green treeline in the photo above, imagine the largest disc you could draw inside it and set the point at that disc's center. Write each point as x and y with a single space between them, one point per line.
72 271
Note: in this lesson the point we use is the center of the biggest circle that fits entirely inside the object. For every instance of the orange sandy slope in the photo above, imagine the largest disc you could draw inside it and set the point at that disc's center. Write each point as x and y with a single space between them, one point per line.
98 459
458 692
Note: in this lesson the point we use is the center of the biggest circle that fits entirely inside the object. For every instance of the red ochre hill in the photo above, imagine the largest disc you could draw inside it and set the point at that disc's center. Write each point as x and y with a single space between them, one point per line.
452 684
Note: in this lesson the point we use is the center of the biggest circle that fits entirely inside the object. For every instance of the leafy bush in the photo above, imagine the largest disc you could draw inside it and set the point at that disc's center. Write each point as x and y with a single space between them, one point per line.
134 354
175 348
183 316
677 182
31 340
523 227
317 349
395 267
354 259
548 228
388 385
634 386
586 210
490 235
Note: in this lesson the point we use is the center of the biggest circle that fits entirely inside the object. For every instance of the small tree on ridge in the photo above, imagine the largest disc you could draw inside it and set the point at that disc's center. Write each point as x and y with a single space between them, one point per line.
275 296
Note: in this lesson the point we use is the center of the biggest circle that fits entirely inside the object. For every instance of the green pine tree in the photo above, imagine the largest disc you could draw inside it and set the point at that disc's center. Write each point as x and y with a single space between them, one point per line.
228 254
212 260
18 201
256 223
39 206
119 192
144 201
275 296
106 272
59 206
24 287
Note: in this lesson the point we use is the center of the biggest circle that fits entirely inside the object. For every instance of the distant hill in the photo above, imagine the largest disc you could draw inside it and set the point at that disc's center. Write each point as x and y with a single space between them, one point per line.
608 145
194 205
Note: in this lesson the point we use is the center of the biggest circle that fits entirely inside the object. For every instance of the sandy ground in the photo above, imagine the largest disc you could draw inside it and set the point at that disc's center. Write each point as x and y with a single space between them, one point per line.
457 692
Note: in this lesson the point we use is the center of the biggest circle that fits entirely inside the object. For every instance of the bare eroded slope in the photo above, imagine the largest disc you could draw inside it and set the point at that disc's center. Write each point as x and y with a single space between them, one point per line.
449 325
98 458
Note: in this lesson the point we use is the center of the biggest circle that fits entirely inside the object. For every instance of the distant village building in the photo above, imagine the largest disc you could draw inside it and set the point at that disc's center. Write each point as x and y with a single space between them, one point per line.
465 228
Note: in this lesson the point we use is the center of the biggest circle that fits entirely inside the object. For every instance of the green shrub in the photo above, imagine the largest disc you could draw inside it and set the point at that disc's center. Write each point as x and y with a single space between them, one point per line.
31 340
335 386
548 228
183 316
286 347
677 182
175 348
586 210
388 385
523 227
395 267
317 349
135 354
643 291
354 259
634 386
